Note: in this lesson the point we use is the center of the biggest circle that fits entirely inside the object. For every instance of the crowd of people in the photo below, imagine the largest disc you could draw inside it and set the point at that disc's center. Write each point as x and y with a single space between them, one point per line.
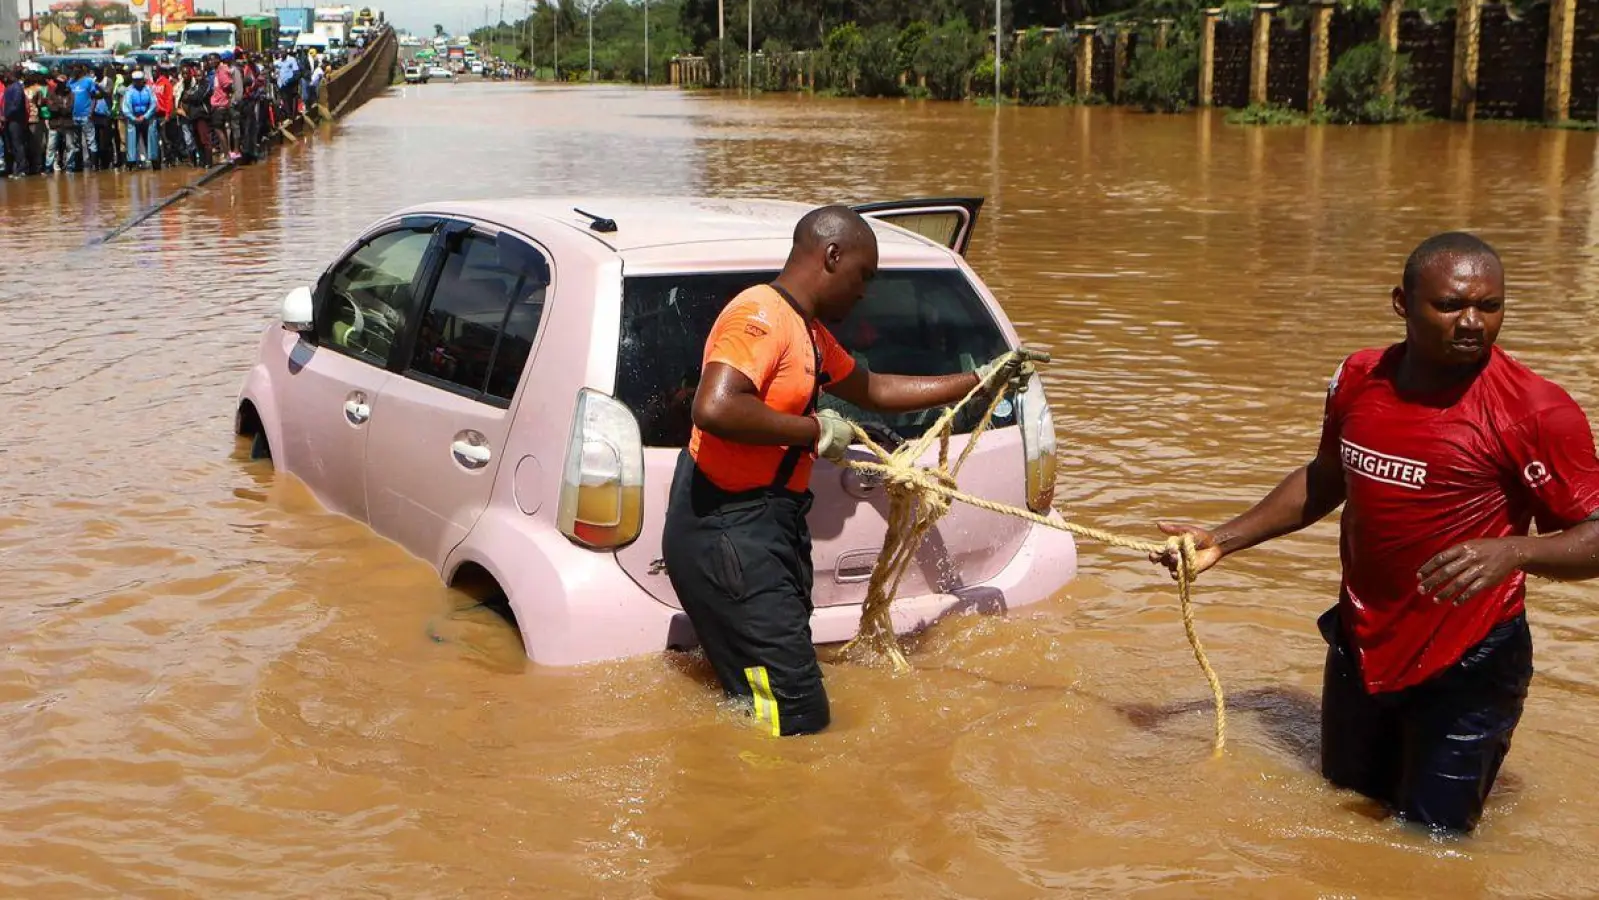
112 116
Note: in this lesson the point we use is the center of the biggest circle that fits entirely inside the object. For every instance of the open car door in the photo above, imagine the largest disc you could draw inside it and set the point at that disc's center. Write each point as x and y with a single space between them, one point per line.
948 220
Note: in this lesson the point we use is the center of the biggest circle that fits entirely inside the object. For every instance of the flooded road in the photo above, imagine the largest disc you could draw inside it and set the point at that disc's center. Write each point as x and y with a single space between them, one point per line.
212 687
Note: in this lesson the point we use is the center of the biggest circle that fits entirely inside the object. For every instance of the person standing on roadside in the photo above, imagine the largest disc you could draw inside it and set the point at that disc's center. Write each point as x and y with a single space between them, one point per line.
319 75
736 543
220 77
61 151
38 94
84 91
14 116
1443 451
139 111
236 75
288 81
169 142
195 101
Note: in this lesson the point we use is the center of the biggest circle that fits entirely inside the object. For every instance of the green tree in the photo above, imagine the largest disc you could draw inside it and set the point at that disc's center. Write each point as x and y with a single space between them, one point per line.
438 30
946 58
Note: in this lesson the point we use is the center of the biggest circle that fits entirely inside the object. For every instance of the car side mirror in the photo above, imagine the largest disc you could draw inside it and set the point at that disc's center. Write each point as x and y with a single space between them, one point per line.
297 311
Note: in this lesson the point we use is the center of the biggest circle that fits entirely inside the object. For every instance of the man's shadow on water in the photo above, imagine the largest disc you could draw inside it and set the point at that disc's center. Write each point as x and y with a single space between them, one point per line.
1290 717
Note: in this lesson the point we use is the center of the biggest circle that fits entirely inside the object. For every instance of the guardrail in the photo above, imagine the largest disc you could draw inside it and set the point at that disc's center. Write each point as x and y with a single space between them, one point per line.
367 76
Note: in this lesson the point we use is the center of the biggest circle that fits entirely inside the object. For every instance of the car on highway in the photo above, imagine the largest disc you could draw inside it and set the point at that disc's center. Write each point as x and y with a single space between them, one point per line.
503 388
416 75
440 72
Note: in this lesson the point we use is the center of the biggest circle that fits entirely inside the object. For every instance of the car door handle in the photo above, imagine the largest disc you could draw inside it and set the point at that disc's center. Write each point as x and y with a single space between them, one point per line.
473 456
357 412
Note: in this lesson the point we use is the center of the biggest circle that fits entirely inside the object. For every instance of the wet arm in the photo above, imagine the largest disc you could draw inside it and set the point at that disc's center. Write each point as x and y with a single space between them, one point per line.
728 406
1304 498
1570 555
902 393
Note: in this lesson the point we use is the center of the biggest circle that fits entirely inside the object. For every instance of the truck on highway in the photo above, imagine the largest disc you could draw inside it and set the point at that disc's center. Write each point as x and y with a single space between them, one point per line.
224 35
333 24
292 22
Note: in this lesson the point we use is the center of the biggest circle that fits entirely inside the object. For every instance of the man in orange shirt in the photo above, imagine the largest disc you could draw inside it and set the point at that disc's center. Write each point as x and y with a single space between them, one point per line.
736 543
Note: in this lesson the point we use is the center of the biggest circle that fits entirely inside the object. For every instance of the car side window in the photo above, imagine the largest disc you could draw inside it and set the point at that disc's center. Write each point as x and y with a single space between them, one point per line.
369 299
477 333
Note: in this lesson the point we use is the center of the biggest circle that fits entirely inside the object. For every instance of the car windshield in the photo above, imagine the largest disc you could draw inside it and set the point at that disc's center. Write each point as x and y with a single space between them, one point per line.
911 322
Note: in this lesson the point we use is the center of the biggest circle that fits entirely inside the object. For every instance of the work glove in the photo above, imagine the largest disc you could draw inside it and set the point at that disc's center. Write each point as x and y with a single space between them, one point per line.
834 435
1017 371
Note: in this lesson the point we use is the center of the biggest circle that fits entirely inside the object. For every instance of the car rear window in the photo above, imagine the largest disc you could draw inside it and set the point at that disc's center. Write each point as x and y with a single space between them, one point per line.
911 322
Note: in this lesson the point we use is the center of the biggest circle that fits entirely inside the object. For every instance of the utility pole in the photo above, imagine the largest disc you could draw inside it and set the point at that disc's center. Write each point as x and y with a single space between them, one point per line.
527 35
997 38
646 43
555 38
749 46
721 43
591 41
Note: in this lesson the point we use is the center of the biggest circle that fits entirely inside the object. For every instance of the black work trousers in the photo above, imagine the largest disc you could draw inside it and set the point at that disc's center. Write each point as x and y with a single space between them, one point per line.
741 566
1429 752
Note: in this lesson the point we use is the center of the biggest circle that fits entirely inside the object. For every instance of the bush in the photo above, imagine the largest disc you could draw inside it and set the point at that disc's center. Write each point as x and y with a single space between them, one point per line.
909 41
983 77
1163 80
1353 87
879 63
841 56
1039 73
946 57
1267 114
717 55
778 68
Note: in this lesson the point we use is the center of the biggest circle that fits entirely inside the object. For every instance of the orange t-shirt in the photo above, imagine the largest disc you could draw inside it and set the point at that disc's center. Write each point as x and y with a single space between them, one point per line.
763 337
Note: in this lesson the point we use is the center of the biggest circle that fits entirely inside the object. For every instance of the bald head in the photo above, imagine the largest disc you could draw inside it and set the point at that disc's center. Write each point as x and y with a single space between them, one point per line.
1450 244
833 257
838 225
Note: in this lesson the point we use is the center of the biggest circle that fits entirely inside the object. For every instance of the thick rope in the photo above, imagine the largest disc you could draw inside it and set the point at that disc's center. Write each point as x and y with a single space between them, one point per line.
918 496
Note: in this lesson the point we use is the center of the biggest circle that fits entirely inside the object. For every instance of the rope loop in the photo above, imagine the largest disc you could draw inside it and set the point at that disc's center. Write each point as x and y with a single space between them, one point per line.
920 495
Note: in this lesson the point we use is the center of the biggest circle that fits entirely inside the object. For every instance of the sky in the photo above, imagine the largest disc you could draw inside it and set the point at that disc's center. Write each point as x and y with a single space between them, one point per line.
416 16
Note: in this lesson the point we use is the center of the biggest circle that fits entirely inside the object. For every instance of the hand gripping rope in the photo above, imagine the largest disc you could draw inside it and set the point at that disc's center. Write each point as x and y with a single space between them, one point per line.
918 496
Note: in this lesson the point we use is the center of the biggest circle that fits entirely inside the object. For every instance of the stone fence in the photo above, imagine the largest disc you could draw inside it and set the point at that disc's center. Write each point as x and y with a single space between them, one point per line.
1481 59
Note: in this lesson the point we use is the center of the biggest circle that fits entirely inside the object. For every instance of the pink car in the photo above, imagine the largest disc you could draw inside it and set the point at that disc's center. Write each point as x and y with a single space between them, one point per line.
503 388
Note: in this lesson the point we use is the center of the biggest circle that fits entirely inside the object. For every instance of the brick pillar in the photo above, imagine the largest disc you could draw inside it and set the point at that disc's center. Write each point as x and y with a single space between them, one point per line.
1557 60
1162 33
1321 13
1085 60
1119 63
1260 52
1468 29
1207 57
1388 37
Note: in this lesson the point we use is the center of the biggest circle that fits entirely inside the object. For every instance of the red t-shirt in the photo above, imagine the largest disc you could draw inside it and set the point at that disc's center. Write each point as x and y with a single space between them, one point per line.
1423 473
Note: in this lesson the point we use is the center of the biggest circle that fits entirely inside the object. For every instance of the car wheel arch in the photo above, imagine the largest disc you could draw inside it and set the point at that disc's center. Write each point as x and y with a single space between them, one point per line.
478 581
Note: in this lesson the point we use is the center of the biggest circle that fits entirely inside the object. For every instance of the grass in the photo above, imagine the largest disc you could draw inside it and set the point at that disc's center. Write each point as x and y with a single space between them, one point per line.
1268 114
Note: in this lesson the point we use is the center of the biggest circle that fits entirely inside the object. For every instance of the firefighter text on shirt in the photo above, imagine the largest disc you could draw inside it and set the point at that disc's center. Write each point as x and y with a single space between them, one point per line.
1388 469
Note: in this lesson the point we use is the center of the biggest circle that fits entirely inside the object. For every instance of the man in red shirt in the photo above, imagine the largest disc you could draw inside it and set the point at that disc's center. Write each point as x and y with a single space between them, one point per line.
165 103
1444 451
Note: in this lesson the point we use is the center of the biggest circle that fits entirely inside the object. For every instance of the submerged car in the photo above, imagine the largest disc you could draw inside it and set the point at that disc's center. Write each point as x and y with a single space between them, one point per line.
503 388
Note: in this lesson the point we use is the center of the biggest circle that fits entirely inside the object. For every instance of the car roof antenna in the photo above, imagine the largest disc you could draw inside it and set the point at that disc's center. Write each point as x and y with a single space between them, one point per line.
597 223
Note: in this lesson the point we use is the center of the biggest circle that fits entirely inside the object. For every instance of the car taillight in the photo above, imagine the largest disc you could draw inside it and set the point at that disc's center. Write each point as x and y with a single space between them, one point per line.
1038 445
602 483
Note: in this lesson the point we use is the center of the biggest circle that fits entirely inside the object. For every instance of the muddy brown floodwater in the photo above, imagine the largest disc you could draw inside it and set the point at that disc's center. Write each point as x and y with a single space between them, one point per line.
212 687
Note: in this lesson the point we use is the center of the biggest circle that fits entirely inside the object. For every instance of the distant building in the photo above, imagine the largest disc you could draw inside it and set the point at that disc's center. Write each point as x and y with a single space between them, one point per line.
10 33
